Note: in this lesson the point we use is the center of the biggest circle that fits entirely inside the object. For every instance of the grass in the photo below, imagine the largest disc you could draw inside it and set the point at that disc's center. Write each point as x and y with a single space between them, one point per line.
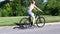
10 21
5 21
52 18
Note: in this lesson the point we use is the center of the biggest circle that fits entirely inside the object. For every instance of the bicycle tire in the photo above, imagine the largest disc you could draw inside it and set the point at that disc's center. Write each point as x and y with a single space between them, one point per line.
40 22
24 21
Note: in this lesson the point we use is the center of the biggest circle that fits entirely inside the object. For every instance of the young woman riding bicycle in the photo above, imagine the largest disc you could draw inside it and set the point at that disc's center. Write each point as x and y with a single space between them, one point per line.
29 11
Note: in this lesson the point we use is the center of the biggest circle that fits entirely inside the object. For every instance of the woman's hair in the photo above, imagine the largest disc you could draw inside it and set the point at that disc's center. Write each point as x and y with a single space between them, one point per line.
32 1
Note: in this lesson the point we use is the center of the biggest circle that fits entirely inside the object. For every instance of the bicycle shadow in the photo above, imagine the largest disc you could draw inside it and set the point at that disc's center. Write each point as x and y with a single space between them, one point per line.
19 26
23 26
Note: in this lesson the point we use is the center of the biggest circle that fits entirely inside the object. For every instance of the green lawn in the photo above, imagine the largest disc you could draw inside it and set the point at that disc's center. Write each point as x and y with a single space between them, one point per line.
9 21
52 18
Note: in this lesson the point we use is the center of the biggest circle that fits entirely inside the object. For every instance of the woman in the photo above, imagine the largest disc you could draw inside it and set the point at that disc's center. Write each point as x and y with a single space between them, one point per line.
30 8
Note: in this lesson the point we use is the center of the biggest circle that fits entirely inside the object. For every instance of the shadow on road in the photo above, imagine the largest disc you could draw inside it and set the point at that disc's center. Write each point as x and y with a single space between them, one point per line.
23 26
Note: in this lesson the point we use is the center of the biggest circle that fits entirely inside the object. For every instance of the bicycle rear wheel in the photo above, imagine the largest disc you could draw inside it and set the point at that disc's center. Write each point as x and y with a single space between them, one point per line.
40 22
24 22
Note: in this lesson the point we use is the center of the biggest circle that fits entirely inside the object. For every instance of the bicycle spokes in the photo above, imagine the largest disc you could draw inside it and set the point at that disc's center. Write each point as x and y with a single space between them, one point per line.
40 22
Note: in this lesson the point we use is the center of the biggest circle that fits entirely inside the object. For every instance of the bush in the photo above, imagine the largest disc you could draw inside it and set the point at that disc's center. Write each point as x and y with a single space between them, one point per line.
53 6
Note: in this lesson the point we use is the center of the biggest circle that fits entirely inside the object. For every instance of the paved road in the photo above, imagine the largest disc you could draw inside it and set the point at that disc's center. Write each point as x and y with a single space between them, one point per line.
47 29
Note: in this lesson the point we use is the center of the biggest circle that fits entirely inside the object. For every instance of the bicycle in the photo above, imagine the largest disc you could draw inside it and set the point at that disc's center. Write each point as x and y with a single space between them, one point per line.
40 20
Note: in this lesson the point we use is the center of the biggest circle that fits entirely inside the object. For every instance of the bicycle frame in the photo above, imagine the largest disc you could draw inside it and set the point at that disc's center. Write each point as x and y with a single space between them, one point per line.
36 16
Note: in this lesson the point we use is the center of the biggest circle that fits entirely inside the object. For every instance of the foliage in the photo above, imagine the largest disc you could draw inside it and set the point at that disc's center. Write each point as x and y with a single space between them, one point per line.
53 6
19 7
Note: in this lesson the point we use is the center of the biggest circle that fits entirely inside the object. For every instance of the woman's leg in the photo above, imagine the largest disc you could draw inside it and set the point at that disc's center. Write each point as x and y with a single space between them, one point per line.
33 19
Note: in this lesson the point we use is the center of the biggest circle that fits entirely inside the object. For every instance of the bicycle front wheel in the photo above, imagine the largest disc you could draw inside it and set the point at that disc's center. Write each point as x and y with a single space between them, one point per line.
40 22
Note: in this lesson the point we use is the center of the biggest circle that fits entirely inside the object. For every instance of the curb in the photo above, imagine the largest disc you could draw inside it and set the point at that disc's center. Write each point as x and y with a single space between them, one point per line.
53 23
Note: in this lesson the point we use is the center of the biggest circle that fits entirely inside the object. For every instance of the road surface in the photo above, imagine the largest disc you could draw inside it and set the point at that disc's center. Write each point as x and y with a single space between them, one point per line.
47 29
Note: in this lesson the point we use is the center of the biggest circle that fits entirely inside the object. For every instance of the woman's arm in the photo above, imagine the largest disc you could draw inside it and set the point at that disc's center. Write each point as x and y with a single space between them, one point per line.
38 9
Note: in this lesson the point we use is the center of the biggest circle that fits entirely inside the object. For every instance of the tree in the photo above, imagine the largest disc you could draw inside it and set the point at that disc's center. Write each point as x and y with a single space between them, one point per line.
53 6
16 7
